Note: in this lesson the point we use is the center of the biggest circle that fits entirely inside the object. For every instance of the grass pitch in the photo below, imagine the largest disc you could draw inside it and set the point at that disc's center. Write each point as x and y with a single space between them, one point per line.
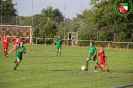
41 68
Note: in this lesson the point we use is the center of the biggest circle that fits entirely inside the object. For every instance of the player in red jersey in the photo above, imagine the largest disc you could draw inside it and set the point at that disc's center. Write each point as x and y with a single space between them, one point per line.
15 43
102 60
5 40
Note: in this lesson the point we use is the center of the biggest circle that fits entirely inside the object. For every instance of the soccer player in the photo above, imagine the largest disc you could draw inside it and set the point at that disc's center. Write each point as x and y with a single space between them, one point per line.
5 40
15 43
58 43
92 55
103 59
20 50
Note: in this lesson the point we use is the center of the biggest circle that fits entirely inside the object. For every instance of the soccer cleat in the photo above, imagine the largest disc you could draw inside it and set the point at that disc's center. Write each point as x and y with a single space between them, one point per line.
95 71
86 69
107 70
14 69
7 55
95 68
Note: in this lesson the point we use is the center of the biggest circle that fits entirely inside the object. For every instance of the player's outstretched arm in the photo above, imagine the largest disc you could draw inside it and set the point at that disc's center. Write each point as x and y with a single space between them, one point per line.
11 50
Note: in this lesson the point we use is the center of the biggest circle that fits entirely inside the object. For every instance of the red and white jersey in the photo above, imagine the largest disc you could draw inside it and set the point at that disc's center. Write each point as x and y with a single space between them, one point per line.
16 43
101 54
102 57
5 40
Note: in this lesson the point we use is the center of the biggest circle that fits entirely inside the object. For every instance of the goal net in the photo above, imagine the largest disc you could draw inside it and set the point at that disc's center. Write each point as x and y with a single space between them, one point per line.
25 33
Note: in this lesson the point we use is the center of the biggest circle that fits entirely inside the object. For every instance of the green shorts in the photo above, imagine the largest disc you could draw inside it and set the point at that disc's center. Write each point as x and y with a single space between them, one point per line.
58 47
94 59
17 57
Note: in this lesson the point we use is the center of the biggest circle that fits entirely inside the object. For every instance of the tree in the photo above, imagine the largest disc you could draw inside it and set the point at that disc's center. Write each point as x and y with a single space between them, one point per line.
44 23
8 12
53 14
50 29
107 21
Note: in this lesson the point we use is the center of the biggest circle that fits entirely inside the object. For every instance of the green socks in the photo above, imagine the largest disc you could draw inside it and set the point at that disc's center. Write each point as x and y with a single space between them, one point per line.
59 53
97 63
16 65
87 64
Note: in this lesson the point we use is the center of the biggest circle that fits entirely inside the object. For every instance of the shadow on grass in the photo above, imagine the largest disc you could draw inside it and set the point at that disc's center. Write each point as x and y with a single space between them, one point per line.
131 71
54 56
114 77
59 70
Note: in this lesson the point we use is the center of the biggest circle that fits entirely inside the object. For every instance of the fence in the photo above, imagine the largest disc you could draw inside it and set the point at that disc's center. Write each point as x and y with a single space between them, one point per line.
109 44
70 42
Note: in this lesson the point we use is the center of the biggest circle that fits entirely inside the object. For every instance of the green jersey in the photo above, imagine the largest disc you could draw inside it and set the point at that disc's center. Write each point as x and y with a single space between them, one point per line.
92 50
58 42
20 51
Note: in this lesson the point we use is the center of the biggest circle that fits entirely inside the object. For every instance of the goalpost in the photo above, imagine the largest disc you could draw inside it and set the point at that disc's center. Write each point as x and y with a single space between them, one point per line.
24 32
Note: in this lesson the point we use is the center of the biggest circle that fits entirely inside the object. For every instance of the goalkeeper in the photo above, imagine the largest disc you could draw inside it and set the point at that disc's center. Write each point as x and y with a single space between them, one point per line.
58 43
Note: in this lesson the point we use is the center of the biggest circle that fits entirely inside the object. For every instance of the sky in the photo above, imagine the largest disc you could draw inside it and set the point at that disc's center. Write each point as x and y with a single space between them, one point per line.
69 8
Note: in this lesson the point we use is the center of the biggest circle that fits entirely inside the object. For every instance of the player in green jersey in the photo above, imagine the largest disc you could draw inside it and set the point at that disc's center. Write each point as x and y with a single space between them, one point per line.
21 49
92 55
58 43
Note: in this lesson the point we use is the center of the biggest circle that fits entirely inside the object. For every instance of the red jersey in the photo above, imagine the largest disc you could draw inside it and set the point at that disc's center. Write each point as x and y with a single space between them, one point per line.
5 43
16 43
102 57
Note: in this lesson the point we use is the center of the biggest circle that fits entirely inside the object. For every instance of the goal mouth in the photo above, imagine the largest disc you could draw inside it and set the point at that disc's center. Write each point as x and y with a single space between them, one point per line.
25 33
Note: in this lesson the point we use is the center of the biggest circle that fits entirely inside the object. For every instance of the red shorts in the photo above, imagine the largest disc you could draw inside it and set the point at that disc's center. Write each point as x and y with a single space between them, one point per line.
102 61
5 47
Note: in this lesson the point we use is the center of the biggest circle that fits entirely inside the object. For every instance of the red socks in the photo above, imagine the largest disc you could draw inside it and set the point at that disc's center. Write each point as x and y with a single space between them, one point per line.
5 53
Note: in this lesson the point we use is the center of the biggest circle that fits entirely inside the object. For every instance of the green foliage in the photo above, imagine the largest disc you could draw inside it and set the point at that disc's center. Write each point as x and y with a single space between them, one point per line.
100 23
8 12
45 24
103 17
50 29
53 14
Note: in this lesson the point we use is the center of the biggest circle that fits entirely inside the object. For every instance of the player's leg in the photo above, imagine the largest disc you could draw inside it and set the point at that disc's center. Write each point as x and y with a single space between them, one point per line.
3 50
107 69
96 61
87 62
98 65
57 50
60 51
6 51
17 63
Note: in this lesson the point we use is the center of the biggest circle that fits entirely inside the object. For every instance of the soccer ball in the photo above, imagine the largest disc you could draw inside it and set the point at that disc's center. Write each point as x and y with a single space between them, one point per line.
83 68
